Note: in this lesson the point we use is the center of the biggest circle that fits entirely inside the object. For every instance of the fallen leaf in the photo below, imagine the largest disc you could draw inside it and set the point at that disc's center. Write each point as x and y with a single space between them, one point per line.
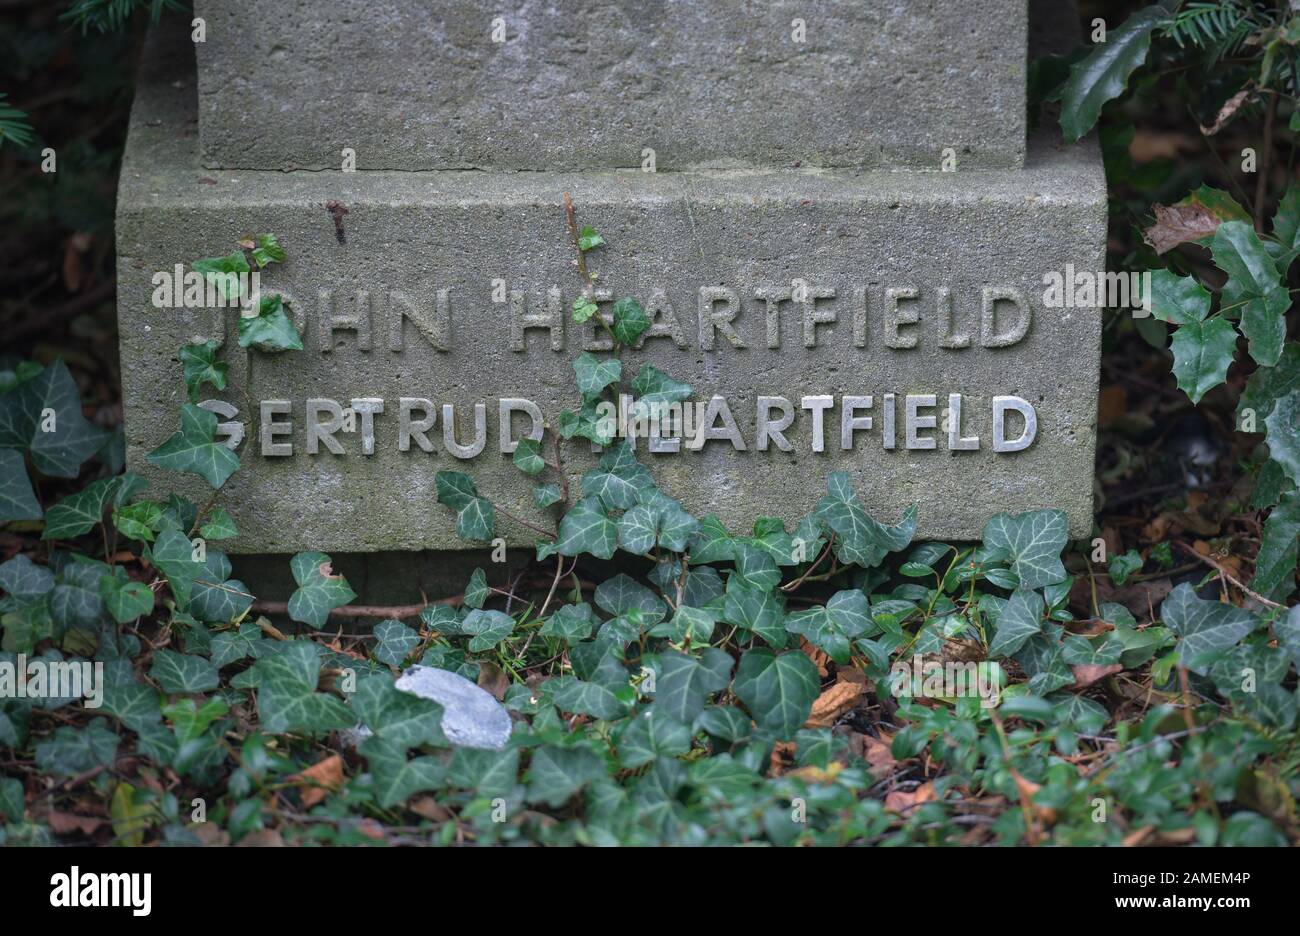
1179 224
1137 836
62 823
1112 403
429 808
1085 674
833 703
818 657
1226 112
493 678
261 838
904 801
320 779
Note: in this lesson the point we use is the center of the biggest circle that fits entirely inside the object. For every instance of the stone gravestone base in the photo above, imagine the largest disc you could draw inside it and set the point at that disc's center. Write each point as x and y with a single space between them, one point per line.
891 324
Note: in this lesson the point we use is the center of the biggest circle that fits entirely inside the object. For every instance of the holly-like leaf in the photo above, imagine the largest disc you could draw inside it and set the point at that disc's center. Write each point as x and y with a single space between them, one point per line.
1104 73
528 457
1178 299
319 591
17 499
271 328
42 416
595 374
1263 322
475 516
200 365
587 528
1021 618
1205 627
778 689
183 673
1275 564
394 642
195 449
1283 434
1240 253
1033 542
630 321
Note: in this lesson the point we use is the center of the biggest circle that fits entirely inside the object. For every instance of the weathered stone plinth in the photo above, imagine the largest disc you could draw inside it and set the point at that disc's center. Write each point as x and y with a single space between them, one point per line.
453 287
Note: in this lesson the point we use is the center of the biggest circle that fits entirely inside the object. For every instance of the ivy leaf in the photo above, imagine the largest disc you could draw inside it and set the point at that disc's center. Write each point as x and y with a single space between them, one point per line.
622 593
687 623
630 321
183 673
75 600
760 611
199 365
572 622
319 589
287 698
1033 542
1104 73
125 600
267 251
1021 618
1206 627
487 628
836 625
218 526
649 735
1202 353
190 718
557 773
487 773
70 751
78 513
271 329
139 521
397 779
1122 566
594 699
683 683
25 581
587 528
588 238
595 374
1276 562
173 556
1102 651
17 499
544 495
778 689
195 450
477 591
1283 436
528 457
584 309
395 642
653 387
756 567
475 516
42 416
1178 299
224 273
861 540
399 717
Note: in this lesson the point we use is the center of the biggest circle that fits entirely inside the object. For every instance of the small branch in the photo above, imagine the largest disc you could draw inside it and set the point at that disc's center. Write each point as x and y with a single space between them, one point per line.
1228 575
362 611
1265 159
525 523
577 248
801 579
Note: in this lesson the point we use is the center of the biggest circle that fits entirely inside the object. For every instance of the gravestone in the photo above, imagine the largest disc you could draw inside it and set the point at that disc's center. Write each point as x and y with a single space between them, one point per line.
837 300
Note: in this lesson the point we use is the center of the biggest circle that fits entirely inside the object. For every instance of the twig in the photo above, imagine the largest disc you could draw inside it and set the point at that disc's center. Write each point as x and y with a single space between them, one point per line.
1228 575
1261 183
590 284
362 611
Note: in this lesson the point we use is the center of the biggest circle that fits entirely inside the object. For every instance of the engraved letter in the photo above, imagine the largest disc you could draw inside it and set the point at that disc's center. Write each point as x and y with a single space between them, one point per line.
989 336
449 431
915 421
849 421
773 430
819 405
507 406
408 428
1000 406
366 407
713 319
318 431
521 319
955 441
270 429
896 317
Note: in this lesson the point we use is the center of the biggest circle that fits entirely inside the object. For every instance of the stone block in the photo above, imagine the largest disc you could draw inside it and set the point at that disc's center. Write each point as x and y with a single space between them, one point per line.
595 84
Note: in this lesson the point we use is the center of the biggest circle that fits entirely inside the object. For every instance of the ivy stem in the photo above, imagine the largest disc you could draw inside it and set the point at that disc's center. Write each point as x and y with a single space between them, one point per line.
525 523
589 283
